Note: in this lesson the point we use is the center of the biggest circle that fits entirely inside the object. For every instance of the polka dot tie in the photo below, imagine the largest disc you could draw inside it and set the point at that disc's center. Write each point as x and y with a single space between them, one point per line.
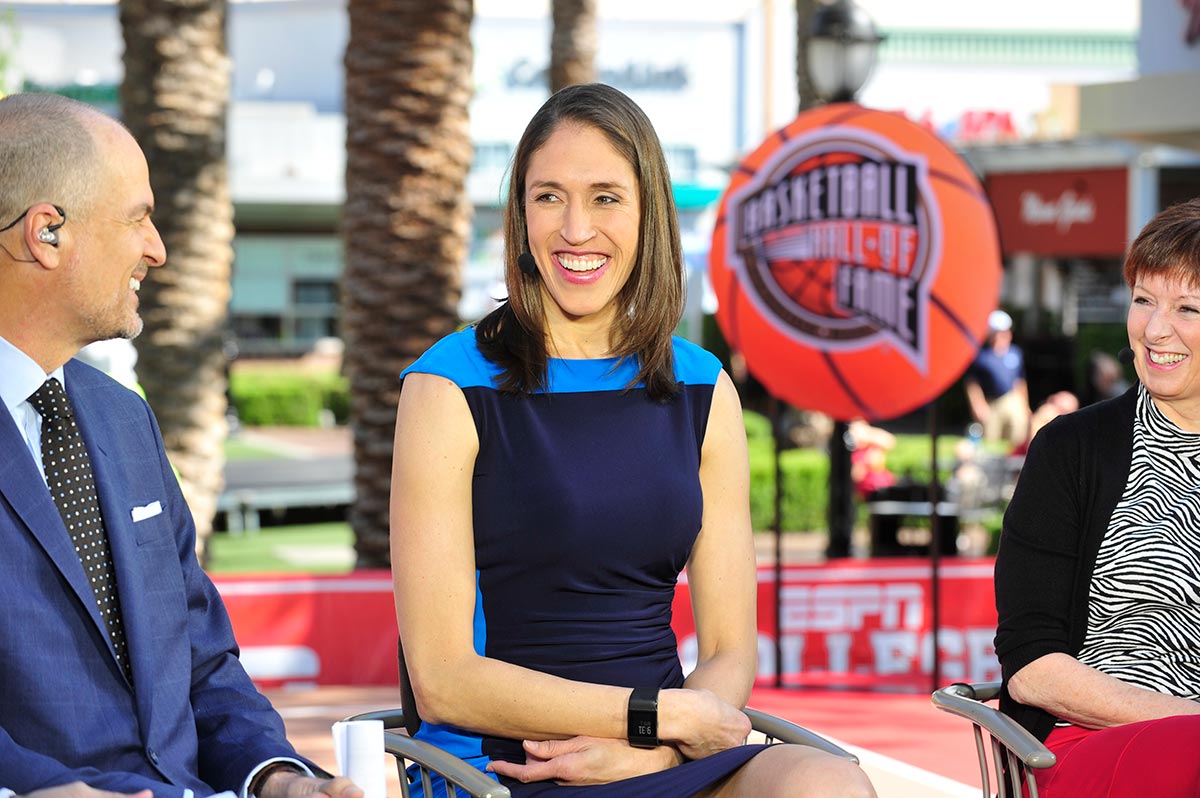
69 475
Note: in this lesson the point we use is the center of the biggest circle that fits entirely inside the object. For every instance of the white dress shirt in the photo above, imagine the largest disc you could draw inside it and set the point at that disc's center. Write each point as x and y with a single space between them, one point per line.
20 376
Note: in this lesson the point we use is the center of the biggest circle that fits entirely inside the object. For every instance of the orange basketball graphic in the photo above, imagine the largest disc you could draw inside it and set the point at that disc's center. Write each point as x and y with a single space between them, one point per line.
855 260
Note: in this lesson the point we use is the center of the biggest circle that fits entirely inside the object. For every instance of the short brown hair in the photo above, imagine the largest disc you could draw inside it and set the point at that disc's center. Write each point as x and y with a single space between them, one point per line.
1168 246
650 304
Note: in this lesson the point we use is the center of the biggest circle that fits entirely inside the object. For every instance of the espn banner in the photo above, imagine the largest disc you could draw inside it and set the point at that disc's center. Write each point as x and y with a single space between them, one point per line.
848 623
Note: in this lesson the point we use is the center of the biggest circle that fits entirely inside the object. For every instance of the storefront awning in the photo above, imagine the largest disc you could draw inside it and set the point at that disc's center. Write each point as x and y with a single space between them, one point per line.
1160 108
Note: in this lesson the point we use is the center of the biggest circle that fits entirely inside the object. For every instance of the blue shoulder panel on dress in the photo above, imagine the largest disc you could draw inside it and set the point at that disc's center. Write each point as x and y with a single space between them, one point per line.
694 365
458 359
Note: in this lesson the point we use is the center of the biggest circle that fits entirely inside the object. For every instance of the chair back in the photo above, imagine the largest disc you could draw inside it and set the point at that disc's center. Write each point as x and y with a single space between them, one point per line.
408 700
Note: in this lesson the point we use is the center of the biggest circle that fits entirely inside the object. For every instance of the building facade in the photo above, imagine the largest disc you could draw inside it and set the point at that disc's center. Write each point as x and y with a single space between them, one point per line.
1003 84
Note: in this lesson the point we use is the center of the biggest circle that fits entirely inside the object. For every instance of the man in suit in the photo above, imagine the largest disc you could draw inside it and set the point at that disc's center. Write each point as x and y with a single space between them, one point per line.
119 667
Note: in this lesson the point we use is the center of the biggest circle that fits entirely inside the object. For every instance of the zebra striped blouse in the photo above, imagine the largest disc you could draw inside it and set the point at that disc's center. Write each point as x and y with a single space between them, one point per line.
1144 603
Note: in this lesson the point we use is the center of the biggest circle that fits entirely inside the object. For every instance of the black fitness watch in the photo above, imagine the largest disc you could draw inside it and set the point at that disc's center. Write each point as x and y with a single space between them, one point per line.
643 717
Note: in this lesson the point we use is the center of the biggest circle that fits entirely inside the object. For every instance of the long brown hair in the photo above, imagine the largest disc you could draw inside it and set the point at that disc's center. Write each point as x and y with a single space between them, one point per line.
650 304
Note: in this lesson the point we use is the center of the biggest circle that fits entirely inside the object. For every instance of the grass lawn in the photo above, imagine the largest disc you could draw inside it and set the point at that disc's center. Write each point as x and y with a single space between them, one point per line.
239 449
310 548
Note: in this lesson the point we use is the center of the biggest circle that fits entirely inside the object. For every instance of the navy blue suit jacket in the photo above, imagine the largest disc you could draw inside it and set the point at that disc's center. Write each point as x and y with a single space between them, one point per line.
192 719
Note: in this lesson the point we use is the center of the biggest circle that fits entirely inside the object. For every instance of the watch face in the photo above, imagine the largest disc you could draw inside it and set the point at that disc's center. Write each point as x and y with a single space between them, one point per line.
643 718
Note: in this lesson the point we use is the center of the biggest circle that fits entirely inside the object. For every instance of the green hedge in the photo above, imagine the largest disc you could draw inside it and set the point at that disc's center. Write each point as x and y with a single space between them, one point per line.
805 488
277 398
806 475
805 480
288 399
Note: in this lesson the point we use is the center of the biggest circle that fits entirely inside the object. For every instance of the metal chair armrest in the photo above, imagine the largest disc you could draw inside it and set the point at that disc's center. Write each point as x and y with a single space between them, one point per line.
776 728
467 777
454 770
966 701
392 718
448 766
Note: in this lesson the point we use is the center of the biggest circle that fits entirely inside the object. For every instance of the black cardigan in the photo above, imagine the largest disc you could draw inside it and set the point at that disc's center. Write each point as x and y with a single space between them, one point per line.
1072 479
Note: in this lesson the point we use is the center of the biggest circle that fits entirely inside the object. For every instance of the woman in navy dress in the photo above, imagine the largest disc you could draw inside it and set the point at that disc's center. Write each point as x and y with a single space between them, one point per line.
556 467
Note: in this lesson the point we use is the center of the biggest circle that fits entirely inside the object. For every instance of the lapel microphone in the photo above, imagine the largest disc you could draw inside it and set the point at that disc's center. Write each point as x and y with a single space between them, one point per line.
527 264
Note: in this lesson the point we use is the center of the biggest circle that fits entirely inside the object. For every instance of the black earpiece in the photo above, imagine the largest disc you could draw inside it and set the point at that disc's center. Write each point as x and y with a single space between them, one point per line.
527 264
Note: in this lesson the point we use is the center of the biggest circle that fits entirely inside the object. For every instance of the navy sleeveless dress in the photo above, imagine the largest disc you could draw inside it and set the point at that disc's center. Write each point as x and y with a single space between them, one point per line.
586 501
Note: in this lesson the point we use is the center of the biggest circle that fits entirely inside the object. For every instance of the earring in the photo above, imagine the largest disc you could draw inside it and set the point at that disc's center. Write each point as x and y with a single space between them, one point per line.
48 236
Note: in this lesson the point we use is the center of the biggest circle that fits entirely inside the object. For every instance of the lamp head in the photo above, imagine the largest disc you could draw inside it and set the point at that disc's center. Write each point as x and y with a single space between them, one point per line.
842 49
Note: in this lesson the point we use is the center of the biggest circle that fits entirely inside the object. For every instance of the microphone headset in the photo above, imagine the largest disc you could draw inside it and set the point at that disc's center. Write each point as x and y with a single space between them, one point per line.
47 235
527 264
1125 355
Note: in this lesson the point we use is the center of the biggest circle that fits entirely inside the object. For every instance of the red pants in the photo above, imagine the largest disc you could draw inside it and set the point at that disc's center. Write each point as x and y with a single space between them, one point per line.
1159 758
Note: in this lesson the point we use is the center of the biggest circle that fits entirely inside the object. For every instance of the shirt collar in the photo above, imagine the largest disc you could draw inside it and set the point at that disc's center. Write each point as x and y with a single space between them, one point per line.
20 376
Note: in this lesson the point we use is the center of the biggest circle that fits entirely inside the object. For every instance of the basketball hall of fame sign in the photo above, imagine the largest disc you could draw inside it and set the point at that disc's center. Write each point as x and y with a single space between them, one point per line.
855 260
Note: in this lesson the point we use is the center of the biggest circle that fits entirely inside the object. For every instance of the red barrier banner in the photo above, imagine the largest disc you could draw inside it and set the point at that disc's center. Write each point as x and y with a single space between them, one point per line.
869 624
849 623
314 630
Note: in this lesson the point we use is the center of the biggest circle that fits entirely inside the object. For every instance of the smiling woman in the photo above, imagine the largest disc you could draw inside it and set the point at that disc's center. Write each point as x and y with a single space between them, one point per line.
1099 560
555 469
624 177
1164 316
582 211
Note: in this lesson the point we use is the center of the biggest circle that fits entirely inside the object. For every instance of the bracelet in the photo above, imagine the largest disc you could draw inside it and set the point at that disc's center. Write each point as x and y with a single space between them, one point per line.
643 717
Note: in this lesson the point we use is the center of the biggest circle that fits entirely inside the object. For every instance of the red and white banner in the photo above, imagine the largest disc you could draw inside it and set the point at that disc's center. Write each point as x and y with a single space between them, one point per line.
869 624
850 623
310 630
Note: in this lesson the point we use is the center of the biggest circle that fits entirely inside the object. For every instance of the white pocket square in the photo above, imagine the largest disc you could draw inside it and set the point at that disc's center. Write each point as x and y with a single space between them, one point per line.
148 511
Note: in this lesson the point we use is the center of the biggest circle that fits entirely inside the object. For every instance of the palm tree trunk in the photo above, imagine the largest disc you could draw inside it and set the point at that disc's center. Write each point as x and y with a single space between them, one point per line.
174 98
573 43
405 221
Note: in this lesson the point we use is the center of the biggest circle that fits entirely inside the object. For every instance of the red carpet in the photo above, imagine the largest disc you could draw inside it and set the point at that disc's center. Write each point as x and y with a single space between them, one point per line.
905 727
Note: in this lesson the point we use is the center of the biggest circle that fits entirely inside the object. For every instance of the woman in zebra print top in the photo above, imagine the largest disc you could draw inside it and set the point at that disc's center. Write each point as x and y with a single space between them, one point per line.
1098 573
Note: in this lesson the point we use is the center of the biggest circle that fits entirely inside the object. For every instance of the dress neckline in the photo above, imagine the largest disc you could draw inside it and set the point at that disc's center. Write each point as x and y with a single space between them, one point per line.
608 373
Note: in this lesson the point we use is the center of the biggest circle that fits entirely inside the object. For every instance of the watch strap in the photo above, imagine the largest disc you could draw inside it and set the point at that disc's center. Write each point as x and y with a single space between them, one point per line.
643 717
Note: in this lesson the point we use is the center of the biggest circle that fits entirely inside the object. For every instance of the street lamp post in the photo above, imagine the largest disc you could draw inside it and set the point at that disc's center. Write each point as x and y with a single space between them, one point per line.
842 49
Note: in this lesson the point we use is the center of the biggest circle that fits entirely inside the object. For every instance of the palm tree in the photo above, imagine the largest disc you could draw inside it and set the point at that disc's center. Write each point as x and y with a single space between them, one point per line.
573 43
10 37
174 98
405 220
